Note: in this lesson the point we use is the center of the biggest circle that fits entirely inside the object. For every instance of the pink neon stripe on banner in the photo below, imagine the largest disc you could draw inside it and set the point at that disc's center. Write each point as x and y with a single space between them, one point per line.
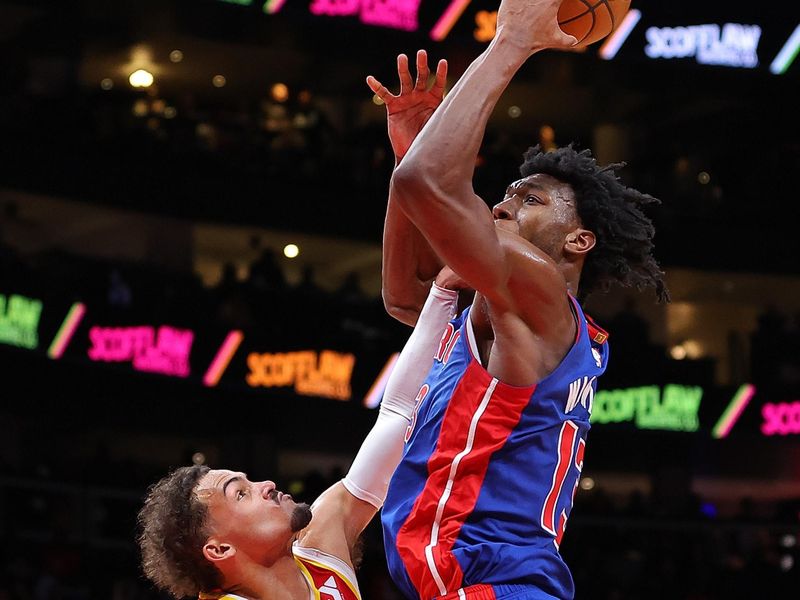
68 327
448 19
273 6
373 397
223 358
614 42
734 410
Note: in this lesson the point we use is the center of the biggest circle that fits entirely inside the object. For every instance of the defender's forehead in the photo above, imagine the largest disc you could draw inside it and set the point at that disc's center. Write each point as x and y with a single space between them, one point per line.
215 480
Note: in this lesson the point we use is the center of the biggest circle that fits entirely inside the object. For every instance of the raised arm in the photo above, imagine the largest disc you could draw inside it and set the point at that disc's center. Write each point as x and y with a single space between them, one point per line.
409 263
433 183
342 512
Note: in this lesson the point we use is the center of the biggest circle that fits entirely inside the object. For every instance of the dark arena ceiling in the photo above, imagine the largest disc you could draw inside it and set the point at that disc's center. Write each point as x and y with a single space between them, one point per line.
695 100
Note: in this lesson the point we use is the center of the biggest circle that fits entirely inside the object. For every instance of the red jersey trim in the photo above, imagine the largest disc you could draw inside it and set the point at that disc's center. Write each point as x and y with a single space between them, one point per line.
326 581
456 471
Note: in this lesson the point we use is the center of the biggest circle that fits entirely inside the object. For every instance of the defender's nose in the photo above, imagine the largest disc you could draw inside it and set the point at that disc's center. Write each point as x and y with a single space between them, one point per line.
266 487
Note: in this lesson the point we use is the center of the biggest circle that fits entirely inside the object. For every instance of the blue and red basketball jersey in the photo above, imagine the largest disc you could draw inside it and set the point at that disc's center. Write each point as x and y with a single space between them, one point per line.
489 472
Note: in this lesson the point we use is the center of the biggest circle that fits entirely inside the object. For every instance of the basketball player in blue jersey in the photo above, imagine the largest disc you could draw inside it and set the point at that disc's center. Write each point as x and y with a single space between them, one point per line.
216 535
479 503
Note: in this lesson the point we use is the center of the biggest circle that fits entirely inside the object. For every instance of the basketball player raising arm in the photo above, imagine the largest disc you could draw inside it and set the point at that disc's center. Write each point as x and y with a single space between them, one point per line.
217 535
409 263
503 256
478 505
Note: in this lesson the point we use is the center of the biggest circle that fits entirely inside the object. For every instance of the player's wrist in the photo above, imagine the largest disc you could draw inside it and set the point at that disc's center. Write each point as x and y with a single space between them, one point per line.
443 293
517 42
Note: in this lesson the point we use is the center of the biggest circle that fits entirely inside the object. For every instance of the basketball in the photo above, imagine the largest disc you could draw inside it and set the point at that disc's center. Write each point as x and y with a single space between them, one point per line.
591 20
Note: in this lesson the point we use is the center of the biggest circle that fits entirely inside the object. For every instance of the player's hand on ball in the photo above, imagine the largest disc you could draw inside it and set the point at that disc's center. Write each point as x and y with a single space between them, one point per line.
532 24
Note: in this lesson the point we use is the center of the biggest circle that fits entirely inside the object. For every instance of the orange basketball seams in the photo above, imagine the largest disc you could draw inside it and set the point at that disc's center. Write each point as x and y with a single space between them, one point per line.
591 20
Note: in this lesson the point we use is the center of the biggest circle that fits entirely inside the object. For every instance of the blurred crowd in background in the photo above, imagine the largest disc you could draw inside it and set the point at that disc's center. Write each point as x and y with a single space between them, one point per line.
73 523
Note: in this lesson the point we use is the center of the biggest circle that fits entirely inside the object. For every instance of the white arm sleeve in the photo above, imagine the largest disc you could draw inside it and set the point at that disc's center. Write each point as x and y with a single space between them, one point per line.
382 449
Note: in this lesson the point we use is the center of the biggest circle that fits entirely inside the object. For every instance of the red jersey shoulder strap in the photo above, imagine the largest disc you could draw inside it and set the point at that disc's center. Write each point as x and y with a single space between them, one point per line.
596 333
330 577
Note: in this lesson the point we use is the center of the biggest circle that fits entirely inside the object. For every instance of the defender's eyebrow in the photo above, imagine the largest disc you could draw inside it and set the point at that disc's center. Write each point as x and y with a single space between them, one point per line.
227 483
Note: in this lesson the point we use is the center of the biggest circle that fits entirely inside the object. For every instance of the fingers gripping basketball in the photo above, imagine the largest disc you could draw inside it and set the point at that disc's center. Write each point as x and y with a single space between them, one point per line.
591 20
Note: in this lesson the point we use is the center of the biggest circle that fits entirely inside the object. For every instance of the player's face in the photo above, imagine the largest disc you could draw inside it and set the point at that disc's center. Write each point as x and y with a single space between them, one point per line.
253 517
541 209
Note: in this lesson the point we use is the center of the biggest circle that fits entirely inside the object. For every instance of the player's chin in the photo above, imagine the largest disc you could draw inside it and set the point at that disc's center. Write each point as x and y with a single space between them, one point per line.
301 516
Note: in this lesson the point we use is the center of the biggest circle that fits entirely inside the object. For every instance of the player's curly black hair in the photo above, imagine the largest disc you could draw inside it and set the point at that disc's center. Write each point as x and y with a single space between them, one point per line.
173 531
613 212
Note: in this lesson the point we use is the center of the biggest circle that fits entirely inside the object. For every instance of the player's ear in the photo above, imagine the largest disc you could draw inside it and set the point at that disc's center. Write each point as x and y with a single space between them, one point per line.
579 242
216 550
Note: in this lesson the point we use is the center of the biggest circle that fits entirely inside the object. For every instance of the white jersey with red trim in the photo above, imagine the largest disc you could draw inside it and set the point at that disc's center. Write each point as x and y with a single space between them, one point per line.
330 577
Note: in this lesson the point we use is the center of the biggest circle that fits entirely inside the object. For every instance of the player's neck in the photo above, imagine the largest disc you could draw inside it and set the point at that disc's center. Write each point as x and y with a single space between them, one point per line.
572 275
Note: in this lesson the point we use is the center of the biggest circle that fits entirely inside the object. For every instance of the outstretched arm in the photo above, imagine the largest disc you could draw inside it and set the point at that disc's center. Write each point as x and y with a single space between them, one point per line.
409 263
342 512
433 183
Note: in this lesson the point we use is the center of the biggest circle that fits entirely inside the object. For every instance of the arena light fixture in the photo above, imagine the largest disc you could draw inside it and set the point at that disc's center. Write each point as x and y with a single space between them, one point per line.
280 92
141 78
678 352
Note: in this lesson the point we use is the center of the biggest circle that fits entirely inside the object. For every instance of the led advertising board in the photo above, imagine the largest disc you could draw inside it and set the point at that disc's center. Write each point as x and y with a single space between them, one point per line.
709 34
